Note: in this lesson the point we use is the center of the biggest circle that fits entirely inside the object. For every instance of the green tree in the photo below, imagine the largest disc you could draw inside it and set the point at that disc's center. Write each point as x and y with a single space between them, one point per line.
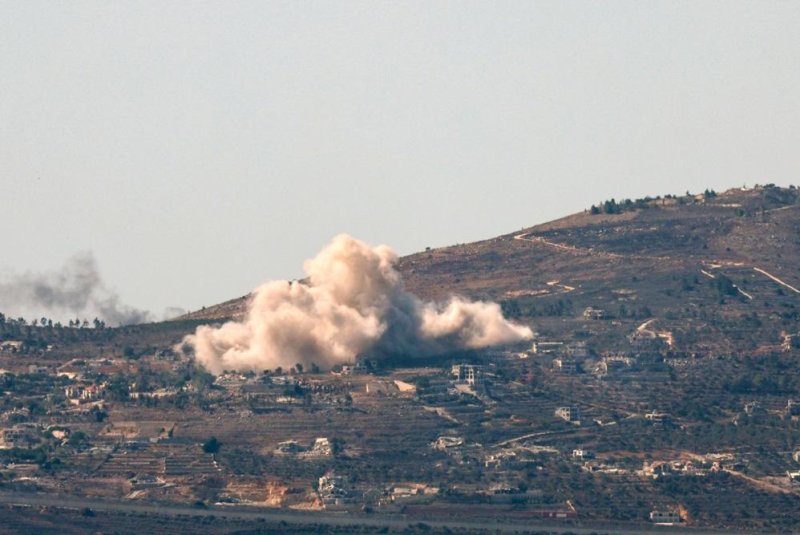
211 445
118 388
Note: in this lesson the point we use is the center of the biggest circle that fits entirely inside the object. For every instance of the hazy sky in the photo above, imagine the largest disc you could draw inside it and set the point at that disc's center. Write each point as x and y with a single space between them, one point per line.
200 148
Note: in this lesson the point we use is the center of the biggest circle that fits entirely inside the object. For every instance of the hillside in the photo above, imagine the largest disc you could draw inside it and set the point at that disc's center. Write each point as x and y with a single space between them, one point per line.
714 272
658 386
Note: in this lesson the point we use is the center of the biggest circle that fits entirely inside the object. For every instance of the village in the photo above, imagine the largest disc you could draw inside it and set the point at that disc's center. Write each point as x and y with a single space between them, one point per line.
517 432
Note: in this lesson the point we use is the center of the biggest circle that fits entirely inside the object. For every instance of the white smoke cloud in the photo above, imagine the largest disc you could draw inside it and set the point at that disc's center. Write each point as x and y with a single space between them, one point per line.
76 289
354 303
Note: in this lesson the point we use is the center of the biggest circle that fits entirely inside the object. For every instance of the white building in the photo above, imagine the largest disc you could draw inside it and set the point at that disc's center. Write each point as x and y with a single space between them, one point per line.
570 414
466 373
332 490
664 517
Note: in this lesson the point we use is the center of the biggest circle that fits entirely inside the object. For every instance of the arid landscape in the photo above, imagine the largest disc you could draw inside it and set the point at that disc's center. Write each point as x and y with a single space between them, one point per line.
660 386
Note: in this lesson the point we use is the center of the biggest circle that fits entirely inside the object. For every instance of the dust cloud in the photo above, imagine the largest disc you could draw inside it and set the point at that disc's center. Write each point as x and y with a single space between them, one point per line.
353 303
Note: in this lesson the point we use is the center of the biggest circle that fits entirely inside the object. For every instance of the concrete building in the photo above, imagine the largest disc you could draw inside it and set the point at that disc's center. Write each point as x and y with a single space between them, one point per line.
566 365
24 435
288 447
80 393
658 418
322 447
445 443
577 350
569 414
11 346
592 313
664 517
332 490
545 348
581 453
754 409
466 373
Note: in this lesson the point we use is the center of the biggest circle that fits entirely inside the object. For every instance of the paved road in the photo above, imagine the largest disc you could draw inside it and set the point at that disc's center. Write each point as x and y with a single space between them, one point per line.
325 518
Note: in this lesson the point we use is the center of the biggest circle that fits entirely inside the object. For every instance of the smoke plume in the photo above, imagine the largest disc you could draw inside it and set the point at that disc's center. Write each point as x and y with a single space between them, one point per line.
353 303
77 290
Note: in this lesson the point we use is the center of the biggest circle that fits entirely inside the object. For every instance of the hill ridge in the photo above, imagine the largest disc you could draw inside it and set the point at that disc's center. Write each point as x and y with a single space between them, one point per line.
683 260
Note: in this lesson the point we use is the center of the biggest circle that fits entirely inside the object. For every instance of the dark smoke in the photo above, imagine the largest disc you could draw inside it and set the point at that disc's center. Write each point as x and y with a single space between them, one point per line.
77 289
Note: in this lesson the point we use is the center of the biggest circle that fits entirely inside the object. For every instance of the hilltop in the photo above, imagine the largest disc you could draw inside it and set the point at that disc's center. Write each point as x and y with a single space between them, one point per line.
708 272
662 386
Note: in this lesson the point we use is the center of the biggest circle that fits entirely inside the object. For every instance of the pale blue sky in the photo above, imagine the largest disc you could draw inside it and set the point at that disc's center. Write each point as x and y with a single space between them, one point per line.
200 148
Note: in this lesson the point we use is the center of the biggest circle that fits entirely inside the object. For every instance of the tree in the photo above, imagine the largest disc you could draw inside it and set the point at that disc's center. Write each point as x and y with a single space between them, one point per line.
118 388
725 286
77 438
211 445
611 207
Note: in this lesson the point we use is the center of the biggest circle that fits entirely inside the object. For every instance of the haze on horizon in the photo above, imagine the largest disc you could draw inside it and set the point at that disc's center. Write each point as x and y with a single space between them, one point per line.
200 150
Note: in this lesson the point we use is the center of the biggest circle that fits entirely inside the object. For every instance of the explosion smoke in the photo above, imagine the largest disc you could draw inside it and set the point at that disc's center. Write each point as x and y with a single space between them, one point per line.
354 303
76 289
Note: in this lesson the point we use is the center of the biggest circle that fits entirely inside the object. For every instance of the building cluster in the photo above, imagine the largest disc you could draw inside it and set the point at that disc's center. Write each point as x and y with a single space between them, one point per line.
333 490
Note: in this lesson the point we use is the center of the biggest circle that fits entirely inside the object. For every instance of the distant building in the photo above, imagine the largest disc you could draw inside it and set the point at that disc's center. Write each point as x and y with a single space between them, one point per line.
288 447
11 346
570 414
540 348
664 517
594 313
566 365
790 341
411 493
611 365
501 459
363 365
284 380
332 490
658 418
577 350
754 408
20 436
322 447
465 373
445 443
80 393
581 453
161 393
645 340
